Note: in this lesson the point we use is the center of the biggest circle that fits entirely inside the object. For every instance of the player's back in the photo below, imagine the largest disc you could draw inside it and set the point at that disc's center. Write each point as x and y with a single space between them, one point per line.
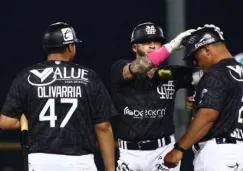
60 103
225 77
235 99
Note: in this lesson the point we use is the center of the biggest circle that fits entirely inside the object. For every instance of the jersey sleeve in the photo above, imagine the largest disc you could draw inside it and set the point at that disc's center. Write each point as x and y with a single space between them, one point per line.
104 107
117 72
213 91
14 104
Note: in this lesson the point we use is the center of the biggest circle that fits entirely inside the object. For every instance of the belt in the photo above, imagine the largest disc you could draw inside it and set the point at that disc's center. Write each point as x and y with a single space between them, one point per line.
220 140
146 145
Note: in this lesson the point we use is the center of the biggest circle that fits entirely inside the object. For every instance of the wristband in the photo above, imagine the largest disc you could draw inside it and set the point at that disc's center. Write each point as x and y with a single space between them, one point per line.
176 146
159 55
130 70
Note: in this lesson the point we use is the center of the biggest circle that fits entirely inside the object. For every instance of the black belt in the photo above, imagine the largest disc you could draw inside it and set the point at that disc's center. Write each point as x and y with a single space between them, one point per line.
221 140
145 145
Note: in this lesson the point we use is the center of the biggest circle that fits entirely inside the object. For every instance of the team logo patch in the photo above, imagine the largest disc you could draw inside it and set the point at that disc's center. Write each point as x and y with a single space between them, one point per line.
207 39
67 34
166 90
150 29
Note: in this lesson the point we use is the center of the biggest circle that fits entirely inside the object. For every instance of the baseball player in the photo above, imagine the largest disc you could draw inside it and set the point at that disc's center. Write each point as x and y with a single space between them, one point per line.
144 94
216 130
67 107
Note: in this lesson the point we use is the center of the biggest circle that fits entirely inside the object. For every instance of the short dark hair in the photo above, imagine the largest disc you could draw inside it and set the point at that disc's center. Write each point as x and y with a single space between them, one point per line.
219 43
61 49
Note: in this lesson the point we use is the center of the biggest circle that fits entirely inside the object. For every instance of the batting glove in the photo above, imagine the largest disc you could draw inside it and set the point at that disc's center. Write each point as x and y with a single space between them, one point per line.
211 26
175 44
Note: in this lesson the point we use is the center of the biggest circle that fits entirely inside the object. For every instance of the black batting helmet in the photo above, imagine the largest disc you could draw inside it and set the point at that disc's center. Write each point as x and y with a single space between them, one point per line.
147 31
59 34
199 39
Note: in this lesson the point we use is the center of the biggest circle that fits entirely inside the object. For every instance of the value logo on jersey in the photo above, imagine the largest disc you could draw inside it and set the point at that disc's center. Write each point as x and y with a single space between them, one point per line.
238 72
166 90
46 76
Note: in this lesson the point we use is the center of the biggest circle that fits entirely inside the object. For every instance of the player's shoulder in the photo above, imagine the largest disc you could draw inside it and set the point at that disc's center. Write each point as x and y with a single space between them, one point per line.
75 65
24 72
223 65
31 67
27 70
214 73
22 75
219 71
120 62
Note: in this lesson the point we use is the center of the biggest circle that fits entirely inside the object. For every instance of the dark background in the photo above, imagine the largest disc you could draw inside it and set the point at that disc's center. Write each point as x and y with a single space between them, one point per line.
105 28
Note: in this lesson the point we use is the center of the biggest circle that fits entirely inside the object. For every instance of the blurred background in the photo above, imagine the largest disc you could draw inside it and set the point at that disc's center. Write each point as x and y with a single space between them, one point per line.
105 28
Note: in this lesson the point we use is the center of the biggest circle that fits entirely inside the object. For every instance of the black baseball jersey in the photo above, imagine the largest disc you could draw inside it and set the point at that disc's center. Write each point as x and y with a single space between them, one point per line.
62 101
145 106
221 89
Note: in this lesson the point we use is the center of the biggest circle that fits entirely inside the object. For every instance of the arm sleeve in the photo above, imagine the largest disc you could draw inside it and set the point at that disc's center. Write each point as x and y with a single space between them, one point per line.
213 91
117 72
14 104
104 107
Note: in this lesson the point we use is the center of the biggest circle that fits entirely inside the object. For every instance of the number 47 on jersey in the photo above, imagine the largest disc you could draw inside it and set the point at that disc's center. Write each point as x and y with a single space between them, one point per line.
50 104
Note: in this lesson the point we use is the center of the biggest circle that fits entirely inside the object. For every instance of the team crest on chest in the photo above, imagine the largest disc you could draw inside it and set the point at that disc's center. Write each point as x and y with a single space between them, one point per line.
166 91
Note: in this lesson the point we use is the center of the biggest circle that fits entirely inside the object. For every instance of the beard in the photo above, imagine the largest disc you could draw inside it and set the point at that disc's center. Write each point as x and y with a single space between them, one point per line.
140 53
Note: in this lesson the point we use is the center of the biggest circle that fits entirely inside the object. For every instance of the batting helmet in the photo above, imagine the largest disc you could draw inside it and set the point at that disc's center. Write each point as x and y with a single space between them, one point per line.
199 39
59 34
147 31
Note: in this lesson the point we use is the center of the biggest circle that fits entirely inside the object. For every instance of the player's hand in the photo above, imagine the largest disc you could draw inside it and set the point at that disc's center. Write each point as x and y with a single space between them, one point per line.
197 74
173 158
175 44
189 103
216 28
